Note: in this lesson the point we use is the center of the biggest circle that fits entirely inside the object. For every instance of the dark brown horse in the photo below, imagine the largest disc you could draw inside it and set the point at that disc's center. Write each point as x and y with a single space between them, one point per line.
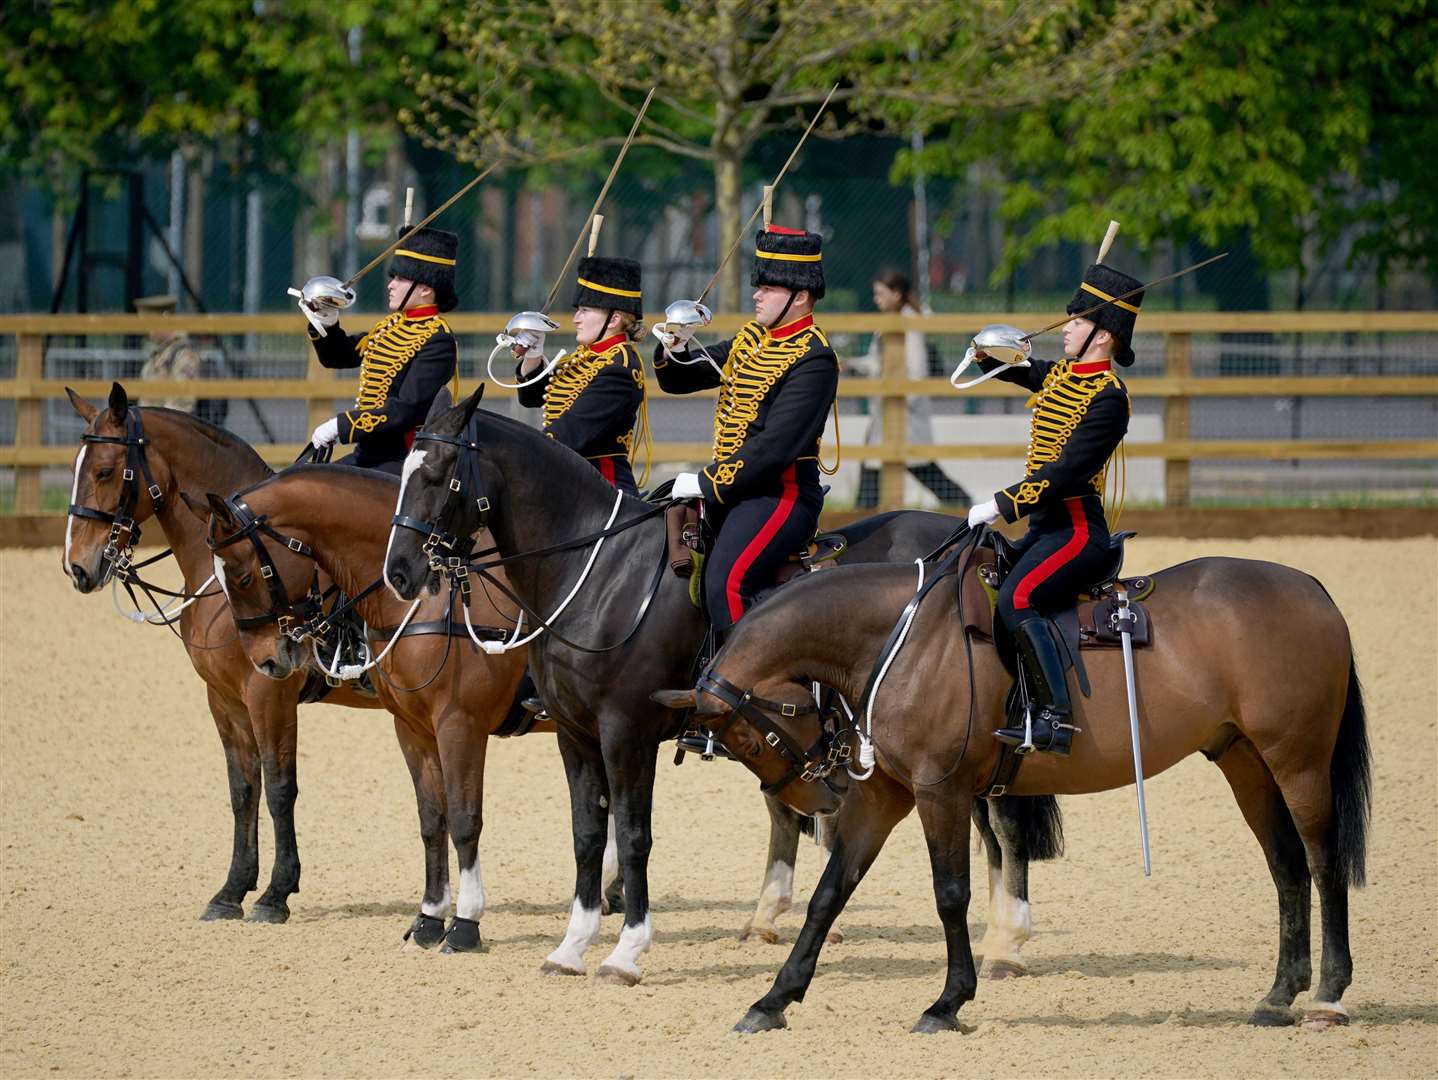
256 717
1251 665
447 695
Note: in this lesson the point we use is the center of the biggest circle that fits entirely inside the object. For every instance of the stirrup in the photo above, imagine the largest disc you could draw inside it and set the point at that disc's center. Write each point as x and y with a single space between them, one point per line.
536 709
702 742
1055 734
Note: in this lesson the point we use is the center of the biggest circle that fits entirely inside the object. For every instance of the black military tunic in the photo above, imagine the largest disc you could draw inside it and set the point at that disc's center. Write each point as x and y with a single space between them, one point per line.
762 488
404 361
591 402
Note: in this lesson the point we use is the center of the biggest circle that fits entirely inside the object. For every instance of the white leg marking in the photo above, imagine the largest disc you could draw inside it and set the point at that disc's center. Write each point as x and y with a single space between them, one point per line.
776 897
441 909
471 891
411 463
1010 923
220 576
74 497
583 925
611 859
634 941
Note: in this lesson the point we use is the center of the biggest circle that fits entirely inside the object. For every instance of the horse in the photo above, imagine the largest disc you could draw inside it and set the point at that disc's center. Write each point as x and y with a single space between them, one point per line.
256 717
1250 664
447 696
636 628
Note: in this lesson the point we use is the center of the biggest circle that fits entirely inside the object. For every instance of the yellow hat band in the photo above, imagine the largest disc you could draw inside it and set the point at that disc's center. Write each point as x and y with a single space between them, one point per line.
424 258
1086 287
787 258
632 293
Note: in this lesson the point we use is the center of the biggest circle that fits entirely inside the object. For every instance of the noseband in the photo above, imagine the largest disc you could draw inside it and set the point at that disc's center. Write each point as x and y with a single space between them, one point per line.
294 621
122 521
827 754
446 549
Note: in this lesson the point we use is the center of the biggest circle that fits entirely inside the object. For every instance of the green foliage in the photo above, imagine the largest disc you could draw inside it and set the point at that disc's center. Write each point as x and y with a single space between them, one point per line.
1287 122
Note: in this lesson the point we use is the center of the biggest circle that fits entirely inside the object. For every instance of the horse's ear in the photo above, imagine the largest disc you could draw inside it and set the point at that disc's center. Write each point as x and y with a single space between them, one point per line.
219 512
471 403
441 404
119 403
198 507
675 699
80 405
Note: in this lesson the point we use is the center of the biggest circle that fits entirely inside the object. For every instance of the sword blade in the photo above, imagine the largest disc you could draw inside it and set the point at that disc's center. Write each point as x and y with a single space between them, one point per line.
1137 750
598 202
773 185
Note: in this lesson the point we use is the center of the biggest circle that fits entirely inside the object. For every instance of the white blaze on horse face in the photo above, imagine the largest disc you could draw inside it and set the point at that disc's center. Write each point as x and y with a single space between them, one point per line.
411 464
440 909
74 498
471 891
583 925
220 575
611 859
634 941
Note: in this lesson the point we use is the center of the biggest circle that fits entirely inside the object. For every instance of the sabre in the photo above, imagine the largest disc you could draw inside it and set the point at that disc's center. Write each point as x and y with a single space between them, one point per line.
1125 620
1010 345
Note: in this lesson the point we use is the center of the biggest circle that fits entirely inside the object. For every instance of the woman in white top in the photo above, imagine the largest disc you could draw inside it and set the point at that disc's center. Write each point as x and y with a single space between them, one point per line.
893 295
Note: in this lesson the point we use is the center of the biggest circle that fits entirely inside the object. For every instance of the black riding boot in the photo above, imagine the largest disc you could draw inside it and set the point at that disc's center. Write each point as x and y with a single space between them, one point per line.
1051 711
524 712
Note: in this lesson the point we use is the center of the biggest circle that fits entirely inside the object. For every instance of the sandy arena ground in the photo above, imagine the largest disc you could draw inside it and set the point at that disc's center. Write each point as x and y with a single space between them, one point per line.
116 831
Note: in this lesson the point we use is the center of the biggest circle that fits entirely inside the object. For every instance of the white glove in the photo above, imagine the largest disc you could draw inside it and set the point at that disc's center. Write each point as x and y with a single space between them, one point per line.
686 486
321 318
983 513
675 340
527 343
326 433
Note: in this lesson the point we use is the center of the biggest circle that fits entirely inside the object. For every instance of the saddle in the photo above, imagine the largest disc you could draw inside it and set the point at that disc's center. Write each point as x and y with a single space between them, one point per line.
688 539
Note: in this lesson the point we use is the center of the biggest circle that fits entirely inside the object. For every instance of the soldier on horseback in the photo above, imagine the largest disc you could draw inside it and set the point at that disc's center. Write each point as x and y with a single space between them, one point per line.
593 398
1080 416
405 358
777 379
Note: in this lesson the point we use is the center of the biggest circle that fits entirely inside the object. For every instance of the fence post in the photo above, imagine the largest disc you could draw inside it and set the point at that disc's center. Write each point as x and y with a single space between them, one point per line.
29 364
894 412
1178 358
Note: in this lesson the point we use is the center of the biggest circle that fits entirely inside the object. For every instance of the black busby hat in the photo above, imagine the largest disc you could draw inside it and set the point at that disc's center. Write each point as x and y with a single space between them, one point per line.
790 259
428 257
1101 283
609 283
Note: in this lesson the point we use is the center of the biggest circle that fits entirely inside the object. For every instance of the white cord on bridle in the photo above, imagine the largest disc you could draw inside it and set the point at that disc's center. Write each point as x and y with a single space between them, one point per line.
866 736
494 648
165 614
350 672
504 341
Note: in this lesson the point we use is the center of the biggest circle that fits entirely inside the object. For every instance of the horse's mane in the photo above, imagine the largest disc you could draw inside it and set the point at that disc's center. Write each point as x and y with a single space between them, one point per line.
379 485
225 440
565 469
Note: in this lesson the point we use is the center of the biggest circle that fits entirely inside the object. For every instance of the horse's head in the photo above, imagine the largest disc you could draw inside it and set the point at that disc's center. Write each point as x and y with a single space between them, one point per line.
268 577
117 480
766 727
444 496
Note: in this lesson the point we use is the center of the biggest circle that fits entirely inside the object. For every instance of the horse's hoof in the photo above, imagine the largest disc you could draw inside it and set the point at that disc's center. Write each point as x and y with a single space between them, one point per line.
834 937
616 976
1267 1015
425 932
1323 1016
757 1020
929 1024
768 935
221 909
550 967
462 937
268 913
1007 969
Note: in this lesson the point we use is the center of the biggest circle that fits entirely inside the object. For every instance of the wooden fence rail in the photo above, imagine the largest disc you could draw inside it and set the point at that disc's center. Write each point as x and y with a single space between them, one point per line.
320 389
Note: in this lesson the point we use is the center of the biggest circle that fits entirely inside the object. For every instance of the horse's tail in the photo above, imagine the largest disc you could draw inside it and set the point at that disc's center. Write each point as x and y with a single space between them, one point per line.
1040 825
1350 776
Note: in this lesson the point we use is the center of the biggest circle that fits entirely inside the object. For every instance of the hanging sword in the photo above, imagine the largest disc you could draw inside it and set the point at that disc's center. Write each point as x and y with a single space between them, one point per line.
1124 620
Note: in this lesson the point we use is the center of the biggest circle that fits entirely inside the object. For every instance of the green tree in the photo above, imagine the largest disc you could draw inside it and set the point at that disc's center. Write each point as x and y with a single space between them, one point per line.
540 76
1275 125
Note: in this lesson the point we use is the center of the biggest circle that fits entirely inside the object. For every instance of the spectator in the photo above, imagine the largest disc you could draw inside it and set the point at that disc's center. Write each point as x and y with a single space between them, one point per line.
172 357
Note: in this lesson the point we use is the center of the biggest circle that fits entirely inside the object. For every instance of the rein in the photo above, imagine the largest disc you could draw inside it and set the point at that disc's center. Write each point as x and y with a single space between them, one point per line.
293 622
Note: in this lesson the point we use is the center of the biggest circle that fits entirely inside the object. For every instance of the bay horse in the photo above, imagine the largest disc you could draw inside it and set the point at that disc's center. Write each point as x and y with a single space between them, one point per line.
447 696
634 630
256 717
1250 664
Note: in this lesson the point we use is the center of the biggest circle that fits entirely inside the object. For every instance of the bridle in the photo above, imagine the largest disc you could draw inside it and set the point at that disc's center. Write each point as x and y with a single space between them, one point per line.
828 753
295 621
446 550
118 558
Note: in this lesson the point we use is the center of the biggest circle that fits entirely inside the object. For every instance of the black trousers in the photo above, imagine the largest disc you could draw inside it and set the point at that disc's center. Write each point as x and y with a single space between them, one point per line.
1063 553
753 539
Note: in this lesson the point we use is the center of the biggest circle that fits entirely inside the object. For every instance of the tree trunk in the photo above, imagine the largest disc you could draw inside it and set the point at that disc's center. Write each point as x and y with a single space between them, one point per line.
728 204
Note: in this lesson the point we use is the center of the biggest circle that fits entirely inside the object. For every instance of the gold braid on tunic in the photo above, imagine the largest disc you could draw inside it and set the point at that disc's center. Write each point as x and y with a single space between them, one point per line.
755 363
384 351
1058 407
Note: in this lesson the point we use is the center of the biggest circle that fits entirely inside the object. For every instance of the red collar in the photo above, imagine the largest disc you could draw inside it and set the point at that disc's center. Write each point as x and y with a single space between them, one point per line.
788 330
608 343
1091 367
424 311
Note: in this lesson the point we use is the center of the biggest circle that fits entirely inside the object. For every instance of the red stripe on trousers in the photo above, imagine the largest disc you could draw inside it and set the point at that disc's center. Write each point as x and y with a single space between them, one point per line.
759 543
606 469
1050 566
